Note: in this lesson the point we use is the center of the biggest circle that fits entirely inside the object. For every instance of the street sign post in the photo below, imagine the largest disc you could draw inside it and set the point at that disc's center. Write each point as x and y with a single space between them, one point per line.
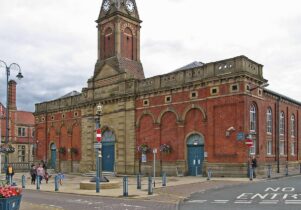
98 135
249 142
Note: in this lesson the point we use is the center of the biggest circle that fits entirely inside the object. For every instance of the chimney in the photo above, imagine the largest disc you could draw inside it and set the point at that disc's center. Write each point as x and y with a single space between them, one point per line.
12 95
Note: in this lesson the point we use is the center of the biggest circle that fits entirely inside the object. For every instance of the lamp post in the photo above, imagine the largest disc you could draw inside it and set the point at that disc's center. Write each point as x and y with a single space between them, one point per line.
16 67
98 148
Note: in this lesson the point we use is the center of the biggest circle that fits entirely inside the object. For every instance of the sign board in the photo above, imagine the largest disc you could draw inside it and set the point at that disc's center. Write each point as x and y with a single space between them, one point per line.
98 135
249 142
143 158
97 145
240 136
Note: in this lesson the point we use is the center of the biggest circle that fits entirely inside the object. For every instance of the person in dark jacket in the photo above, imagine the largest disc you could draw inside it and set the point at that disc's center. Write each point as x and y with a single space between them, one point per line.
33 174
254 165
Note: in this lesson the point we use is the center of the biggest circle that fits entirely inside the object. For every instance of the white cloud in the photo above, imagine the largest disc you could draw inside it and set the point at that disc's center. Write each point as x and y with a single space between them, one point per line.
54 41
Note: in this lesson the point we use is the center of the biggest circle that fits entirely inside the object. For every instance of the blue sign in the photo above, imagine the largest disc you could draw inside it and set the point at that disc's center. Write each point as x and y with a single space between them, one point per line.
240 136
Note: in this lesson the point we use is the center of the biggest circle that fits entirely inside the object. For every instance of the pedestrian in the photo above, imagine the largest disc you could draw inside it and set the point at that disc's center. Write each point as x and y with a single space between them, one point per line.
40 172
254 165
9 174
33 174
44 165
61 177
47 177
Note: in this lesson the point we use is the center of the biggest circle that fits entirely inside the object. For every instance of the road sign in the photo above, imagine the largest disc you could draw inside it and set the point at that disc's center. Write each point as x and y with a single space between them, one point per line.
240 136
249 142
98 135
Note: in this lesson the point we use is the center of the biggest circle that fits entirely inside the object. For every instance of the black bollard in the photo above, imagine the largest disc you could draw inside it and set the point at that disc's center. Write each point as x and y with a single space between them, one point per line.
164 180
269 171
23 181
56 183
150 186
209 174
286 170
125 187
138 181
38 182
300 168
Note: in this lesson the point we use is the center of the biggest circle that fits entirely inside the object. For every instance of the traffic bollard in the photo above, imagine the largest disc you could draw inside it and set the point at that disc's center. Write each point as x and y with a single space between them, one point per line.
286 170
56 183
269 171
251 173
125 186
300 168
97 184
38 182
139 181
164 180
23 181
209 174
150 186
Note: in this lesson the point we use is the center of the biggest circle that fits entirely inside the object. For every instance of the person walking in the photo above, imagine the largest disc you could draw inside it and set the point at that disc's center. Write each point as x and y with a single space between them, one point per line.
9 174
33 173
40 172
254 165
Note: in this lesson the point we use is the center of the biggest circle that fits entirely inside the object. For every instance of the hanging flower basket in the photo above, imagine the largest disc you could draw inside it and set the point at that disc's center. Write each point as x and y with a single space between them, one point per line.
10 198
165 148
74 150
62 150
143 148
7 148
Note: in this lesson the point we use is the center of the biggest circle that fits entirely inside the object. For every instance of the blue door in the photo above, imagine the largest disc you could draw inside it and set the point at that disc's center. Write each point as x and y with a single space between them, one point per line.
195 154
108 157
108 151
53 156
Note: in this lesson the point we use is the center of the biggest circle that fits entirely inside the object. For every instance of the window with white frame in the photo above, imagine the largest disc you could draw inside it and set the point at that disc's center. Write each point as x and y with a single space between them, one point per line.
253 118
269 147
21 153
281 124
21 131
281 147
293 148
269 121
293 126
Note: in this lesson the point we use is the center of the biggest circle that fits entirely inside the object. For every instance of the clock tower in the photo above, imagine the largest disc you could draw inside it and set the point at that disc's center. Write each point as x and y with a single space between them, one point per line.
119 40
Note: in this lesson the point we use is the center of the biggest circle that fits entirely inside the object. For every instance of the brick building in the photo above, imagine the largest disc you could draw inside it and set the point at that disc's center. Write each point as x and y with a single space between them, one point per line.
199 111
21 131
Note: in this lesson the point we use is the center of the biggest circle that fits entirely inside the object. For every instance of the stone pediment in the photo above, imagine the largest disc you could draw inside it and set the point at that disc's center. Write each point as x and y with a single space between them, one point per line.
105 72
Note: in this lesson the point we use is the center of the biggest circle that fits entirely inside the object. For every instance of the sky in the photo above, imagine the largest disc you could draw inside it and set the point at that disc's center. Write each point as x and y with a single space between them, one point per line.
55 41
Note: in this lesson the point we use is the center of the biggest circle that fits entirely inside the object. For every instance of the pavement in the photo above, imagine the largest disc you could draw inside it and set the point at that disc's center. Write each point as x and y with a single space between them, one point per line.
178 188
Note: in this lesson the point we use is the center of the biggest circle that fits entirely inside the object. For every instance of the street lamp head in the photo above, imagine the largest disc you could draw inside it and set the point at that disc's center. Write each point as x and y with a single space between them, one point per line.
19 75
99 109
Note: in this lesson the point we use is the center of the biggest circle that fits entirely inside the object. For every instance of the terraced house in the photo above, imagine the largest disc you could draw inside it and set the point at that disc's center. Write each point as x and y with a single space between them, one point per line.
197 117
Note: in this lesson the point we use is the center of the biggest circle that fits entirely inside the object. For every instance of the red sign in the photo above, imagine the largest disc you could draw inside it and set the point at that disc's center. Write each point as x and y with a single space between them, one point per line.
98 135
249 142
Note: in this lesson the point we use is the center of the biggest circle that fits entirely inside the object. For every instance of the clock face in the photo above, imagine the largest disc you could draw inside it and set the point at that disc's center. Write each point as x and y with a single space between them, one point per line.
129 5
106 5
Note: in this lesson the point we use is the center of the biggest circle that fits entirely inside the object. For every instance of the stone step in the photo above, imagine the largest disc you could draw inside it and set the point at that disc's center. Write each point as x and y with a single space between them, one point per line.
104 173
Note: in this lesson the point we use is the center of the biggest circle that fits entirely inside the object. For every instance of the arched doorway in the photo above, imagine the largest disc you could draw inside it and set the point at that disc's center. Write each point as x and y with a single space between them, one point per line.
108 151
53 155
195 154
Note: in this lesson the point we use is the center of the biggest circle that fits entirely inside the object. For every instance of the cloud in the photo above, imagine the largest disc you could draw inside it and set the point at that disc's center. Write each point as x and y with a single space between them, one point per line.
55 41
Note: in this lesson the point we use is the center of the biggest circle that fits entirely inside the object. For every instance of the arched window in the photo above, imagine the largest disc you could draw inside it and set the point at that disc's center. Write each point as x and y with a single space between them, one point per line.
269 121
108 43
293 126
253 118
128 44
281 124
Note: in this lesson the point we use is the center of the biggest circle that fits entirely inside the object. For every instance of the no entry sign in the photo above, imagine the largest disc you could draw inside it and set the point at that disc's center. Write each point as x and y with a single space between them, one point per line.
249 142
98 135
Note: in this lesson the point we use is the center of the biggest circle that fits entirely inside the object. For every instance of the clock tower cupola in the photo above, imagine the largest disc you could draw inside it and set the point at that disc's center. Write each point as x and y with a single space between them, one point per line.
119 38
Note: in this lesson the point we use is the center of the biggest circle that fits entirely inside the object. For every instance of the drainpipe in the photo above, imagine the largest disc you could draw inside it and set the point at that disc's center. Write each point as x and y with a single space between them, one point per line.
277 131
